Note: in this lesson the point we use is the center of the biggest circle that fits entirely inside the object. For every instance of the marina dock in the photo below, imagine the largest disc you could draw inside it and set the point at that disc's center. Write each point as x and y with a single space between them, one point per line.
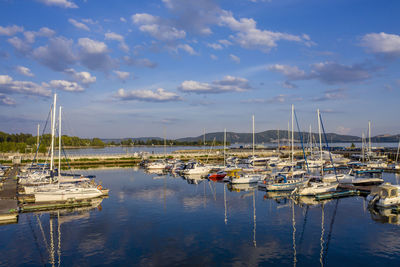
8 197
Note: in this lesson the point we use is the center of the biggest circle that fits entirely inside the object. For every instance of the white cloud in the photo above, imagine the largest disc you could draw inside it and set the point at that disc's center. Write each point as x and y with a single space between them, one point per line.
326 72
382 43
160 95
187 48
24 71
30 36
58 54
66 86
122 75
249 36
11 30
215 46
213 57
8 85
94 55
156 27
117 37
91 46
82 77
59 3
6 101
234 58
193 16
225 42
291 72
227 84
141 62
332 94
19 45
122 19
79 25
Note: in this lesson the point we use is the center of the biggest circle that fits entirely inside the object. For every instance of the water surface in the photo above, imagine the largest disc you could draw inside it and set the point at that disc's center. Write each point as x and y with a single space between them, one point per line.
163 220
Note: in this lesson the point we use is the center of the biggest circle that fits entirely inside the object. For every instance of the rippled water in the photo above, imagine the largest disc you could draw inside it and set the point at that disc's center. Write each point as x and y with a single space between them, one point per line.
162 220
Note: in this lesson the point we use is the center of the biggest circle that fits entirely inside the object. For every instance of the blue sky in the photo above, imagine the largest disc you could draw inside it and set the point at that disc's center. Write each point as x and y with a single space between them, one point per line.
139 68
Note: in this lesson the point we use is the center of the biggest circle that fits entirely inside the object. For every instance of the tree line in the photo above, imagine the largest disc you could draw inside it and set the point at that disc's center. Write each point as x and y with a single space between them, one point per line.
26 143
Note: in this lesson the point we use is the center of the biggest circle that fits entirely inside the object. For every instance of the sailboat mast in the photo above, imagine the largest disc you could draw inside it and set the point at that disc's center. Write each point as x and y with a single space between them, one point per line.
59 143
292 133
369 136
362 142
165 145
37 141
224 145
253 137
52 132
310 144
398 149
319 133
278 141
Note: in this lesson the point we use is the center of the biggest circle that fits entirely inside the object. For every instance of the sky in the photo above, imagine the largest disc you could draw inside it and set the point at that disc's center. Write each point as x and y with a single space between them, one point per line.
176 67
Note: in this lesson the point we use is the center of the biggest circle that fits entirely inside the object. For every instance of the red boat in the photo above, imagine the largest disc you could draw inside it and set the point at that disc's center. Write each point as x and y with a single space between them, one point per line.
217 176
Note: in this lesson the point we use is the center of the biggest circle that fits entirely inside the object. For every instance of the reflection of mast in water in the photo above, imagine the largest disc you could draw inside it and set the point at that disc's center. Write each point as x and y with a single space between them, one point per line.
52 256
226 218
254 216
165 185
294 236
321 254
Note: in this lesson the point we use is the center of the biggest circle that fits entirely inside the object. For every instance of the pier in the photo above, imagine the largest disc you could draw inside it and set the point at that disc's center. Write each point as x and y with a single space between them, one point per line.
8 197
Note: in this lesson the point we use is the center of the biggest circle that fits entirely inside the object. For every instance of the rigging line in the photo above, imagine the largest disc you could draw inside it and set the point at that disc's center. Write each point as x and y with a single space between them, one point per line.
327 146
304 226
330 231
43 235
301 140
36 241
41 137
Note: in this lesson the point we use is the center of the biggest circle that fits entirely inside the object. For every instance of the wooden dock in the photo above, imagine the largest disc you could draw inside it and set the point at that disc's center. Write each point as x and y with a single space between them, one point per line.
8 197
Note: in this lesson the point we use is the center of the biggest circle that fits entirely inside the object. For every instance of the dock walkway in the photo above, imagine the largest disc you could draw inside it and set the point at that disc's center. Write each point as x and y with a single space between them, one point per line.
8 197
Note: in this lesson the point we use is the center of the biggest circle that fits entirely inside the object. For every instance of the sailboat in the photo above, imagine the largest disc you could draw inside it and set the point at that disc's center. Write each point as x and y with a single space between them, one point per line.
55 192
246 178
285 181
316 185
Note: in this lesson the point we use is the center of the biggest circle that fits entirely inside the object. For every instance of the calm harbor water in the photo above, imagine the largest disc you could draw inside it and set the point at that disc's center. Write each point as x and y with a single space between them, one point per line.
168 149
163 220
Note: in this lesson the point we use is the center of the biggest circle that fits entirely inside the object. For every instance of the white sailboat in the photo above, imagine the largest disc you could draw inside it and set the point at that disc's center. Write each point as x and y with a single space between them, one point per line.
55 192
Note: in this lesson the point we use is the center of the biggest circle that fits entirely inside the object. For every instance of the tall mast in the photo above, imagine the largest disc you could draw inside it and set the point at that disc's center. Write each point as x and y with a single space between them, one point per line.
369 136
319 133
398 149
362 142
292 133
204 139
165 145
253 140
59 143
37 141
224 145
278 141
52 132
310 140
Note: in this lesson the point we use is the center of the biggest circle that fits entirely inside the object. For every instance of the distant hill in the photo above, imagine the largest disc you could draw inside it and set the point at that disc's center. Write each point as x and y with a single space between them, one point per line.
269 136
